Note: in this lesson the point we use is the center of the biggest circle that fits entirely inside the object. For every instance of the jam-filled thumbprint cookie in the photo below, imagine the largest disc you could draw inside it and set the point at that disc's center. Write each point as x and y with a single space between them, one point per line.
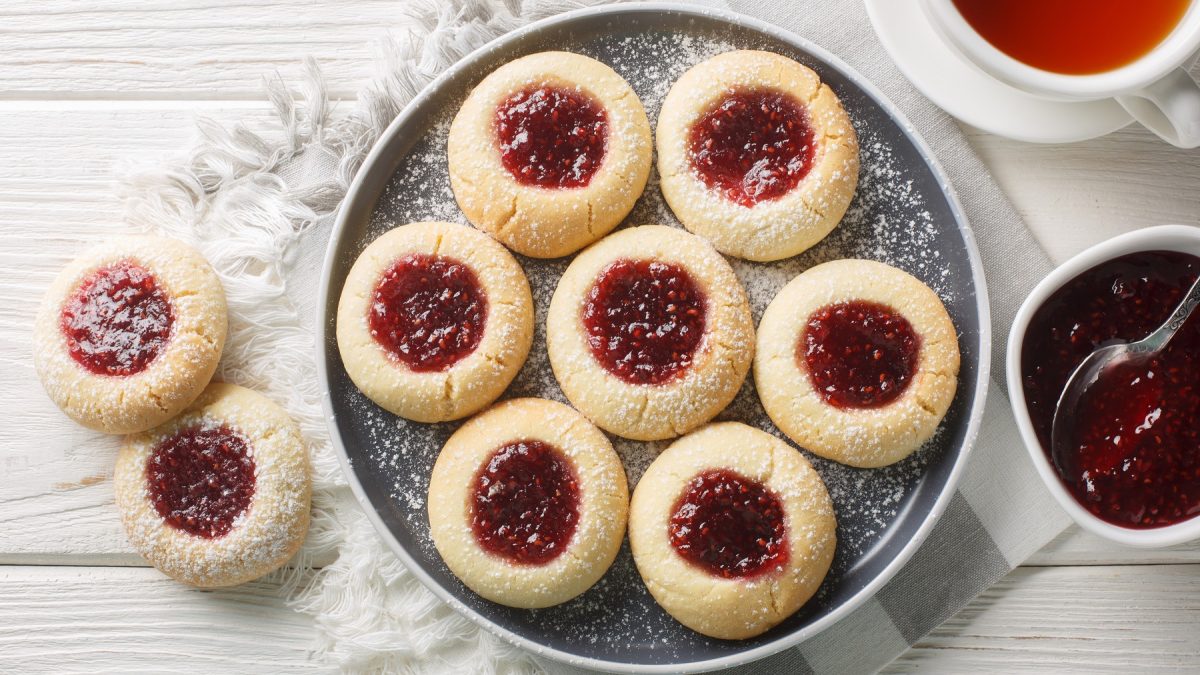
649 332
857 361
434 321
220 494
549 152
756 155
527 503
130 333
732 530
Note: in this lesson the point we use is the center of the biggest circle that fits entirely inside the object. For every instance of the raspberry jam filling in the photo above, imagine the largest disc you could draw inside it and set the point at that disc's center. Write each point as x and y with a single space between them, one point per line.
729 525
428 311
552 137
201 479
1136 433
118 320
525 503
753 145
644 320
859 354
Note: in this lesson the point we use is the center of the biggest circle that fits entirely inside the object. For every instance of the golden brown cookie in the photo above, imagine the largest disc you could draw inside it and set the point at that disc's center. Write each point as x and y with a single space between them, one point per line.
130 333
434 321
731 530
756 155
527 503
650 333
857 361
220 494
549 153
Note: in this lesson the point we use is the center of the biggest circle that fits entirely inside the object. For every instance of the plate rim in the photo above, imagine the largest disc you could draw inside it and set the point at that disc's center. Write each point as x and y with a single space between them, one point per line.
377 161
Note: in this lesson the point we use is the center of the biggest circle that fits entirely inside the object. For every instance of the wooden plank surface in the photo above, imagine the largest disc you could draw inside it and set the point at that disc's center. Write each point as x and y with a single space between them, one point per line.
1077 547
1121 619
103 619
205 49
127 620
57 173
1073 196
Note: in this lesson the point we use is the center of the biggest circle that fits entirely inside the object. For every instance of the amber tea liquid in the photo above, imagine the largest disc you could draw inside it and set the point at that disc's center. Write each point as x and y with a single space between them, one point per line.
1074 37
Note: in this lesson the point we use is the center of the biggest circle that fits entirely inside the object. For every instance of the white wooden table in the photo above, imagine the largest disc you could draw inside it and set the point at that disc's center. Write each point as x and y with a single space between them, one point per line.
84 91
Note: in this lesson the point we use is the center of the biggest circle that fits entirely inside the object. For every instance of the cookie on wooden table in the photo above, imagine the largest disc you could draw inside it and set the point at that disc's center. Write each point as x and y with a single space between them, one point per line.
220 494
130 333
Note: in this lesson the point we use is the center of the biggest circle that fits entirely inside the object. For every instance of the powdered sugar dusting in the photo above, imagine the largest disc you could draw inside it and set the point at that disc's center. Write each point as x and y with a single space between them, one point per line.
263 535
889 221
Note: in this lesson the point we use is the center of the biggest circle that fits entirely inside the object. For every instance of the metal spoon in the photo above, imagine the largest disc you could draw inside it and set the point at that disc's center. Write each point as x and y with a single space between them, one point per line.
1094 365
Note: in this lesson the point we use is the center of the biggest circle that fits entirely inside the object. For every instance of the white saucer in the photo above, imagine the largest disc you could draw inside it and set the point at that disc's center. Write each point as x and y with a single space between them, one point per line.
974 97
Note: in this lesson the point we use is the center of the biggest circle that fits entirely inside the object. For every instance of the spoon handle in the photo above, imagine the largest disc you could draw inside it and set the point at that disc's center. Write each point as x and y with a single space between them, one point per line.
1159 338
1185 308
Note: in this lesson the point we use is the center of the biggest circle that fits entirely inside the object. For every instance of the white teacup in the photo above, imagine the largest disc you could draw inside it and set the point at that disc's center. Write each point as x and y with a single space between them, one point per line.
1155 89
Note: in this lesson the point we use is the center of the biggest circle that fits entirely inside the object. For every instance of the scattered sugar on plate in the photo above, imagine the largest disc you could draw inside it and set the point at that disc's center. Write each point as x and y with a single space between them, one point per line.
888 221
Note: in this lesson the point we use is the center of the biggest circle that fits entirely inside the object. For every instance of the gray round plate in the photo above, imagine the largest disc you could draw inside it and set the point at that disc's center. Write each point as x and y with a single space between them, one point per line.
904 213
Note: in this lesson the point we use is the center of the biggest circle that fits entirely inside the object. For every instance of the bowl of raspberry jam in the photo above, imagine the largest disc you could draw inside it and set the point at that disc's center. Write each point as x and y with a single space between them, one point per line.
1131 470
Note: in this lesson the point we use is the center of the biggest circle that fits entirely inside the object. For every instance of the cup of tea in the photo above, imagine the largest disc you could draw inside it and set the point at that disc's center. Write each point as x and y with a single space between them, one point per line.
1081 50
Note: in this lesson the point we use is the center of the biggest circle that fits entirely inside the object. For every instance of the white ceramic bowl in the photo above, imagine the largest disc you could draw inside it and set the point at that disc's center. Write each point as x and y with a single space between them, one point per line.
1162 238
